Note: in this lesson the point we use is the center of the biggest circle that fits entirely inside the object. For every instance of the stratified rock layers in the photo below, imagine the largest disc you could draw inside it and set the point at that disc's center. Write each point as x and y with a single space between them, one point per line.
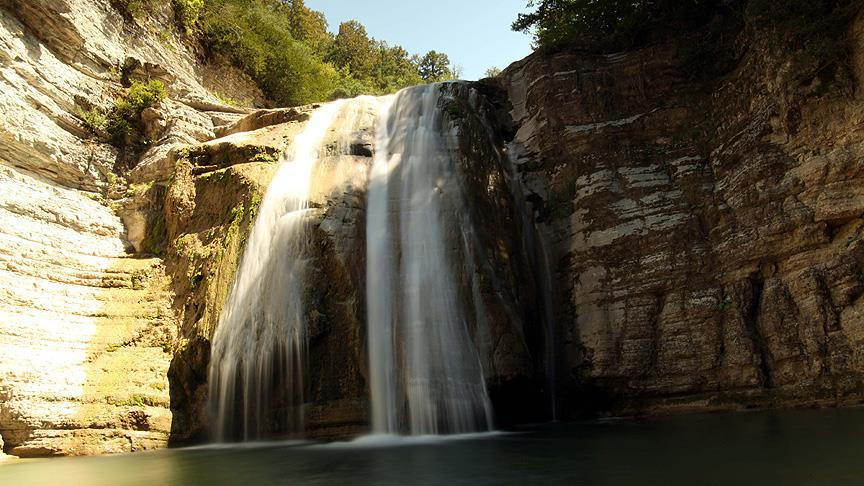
86 328
705 236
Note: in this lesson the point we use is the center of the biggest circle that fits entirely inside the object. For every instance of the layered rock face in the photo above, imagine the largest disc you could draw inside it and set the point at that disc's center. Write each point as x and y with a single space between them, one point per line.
83 327
86 326
705 235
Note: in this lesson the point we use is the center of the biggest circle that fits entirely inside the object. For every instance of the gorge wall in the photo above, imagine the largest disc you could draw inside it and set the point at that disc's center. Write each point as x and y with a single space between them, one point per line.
87 327
703 231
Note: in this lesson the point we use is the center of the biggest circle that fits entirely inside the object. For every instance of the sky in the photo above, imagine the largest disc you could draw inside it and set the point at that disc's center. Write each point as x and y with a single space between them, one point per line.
474 33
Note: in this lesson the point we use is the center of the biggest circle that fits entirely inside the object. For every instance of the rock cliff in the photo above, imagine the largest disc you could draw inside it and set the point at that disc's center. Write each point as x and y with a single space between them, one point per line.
700 210
704 230
87 326
212 201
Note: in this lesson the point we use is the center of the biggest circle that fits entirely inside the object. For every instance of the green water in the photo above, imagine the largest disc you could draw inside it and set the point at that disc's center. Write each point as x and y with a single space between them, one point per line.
784 448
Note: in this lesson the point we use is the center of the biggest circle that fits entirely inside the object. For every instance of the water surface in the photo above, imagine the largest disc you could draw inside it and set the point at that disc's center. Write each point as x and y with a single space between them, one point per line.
792 447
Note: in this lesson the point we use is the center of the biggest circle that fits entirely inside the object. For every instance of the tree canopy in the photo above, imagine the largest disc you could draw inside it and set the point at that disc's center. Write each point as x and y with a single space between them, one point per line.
493 72
435 66
556 21
287 49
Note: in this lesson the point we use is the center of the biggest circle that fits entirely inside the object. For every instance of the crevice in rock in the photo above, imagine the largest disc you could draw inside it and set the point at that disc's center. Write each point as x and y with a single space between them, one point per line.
751 316
654 356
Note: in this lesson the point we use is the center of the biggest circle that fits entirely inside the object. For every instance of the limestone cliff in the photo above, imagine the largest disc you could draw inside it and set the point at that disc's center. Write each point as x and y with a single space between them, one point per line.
87 326
704 230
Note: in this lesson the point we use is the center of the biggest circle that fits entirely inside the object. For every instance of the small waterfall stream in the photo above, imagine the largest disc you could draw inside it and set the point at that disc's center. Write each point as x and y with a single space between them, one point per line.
260 344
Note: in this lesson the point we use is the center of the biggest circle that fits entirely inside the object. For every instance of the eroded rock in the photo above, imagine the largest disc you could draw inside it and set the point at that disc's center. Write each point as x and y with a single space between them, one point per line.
87 329
704 235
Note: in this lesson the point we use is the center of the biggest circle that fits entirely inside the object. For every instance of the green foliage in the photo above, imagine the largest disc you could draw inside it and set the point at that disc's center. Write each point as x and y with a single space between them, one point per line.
188 12
138 279
493 72
286 48
135 400
92 119
393 69
123 123
811 26
254 204
131 9
256 36
349 87
263 157
369 66
435 67
557 21
353 49
307 26
226 99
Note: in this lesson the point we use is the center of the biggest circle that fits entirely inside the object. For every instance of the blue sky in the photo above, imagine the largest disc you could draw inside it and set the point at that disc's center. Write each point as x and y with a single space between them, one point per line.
474 33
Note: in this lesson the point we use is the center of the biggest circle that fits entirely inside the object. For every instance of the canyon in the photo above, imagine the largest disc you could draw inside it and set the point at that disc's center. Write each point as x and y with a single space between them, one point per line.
701 228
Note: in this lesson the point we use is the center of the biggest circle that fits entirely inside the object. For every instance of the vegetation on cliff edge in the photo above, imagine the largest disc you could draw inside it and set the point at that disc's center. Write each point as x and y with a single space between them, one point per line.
812 23
812 31
286 48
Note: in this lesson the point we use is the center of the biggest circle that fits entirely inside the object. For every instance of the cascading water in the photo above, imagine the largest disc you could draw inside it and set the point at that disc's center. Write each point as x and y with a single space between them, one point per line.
425 374
259 347
430 271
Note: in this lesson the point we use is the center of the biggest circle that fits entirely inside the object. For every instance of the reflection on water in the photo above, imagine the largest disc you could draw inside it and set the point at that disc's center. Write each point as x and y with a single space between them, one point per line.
794 447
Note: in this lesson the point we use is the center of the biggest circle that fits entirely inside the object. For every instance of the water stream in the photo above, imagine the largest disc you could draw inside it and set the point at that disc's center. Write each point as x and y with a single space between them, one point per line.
819 447
259 347
426 375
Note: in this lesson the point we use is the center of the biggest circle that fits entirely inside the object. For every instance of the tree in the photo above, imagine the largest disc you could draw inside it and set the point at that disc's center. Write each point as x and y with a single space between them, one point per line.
434 67
493 72
353 49
456 71
556 21
256 36
285 47
307 25
393 69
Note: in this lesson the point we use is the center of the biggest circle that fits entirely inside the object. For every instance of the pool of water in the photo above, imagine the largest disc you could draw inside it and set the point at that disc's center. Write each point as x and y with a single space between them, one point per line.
819 447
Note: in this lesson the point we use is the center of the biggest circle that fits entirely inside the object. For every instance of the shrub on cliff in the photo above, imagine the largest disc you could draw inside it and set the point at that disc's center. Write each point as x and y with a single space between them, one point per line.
814 34
130 9
286 48
810 25
123 122
187 12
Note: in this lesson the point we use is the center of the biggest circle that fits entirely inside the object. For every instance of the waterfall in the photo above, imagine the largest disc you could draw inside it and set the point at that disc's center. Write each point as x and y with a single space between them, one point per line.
426 375
425 372
257 382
